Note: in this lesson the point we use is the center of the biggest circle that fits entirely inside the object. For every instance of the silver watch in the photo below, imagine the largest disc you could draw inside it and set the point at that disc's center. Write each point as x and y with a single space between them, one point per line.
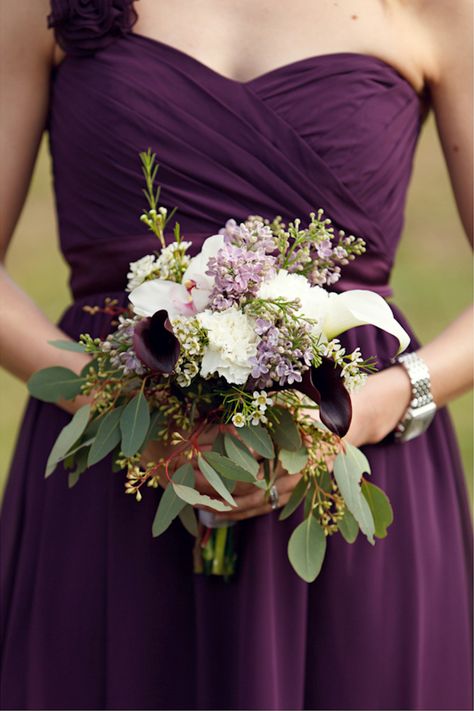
422 407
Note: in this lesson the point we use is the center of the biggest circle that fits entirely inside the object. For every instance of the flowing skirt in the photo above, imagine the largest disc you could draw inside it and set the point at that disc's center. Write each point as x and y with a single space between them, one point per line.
98 614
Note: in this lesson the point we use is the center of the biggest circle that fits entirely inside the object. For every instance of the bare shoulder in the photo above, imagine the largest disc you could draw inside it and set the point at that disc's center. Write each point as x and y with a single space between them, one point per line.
24 33
446 30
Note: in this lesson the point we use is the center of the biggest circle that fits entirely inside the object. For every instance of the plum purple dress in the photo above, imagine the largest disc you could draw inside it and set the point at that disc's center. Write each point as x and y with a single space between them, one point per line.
95 612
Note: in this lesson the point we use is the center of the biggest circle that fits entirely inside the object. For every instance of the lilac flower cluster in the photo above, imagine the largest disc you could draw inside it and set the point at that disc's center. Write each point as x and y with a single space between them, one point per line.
118 346
253 234
284 352
238 273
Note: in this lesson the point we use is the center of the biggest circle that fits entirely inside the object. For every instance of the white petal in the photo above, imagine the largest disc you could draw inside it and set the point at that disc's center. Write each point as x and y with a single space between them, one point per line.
197 267
200 298
156 294
359 307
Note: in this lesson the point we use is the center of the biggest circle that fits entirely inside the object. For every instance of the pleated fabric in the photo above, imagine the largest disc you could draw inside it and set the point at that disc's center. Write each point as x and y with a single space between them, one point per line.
95 612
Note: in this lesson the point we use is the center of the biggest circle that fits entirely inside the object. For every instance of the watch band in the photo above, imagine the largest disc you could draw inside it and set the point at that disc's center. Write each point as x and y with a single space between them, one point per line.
422 407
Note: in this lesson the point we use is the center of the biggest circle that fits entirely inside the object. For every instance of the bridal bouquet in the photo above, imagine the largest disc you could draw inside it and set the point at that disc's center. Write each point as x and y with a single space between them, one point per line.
241 338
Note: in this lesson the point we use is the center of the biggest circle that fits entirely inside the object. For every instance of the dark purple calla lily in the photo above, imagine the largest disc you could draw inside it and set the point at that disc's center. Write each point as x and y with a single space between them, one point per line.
326 387
155 343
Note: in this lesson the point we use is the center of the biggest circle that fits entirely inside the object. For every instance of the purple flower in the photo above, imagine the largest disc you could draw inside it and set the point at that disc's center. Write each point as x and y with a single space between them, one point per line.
84 26
237 274
155 343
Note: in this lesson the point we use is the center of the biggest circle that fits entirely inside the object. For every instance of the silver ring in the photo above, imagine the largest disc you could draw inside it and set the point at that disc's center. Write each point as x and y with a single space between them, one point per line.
274 497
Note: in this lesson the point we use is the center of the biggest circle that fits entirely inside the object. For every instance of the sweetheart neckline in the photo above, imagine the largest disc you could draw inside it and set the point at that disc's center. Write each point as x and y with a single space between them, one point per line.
356 56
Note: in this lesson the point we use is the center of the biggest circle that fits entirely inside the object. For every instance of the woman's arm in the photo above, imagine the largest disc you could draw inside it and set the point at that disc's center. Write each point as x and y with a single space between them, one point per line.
26 55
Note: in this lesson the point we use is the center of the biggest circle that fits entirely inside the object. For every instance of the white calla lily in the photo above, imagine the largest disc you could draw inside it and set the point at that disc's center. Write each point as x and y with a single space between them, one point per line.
359 307
156 294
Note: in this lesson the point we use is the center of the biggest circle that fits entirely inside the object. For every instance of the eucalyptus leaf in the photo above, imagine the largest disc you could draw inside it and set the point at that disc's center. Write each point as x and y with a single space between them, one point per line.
189 521
52 384
296 498
215 481
218 444
67 438
81 466
134 424
107 437
306 549
348 527
227 468
193 497
256 437
295 461
69 346
348 469
285 432
240 454
170 505
380 507
157 421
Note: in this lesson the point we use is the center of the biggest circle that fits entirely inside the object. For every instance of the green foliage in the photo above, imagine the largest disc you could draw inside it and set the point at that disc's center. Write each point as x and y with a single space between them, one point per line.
107 437
52 384
380 507
227 468
285 432
348 527
257 438
293 461
240 454
189 521
134 424
170 505
348 469
67 438
215 481
295 499
307 548
69 346
193 497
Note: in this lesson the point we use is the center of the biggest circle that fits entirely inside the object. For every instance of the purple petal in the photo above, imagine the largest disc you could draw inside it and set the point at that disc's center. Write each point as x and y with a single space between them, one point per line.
155 343
325 386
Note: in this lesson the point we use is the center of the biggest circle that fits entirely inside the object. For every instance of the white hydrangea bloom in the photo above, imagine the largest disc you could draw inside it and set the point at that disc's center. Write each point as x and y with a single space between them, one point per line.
232 343
140 271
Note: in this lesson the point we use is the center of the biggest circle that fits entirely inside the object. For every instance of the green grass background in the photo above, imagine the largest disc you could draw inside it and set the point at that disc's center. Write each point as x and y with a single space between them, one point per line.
432 280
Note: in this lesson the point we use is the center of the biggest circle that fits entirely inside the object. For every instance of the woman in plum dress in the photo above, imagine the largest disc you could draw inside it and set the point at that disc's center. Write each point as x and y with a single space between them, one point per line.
252 108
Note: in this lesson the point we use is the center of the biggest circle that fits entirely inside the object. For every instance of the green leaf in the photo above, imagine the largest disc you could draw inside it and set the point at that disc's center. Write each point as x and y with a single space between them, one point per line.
170 505
295 499
189 521
226 467
215 481
306 549
51 384
293 462
379 506
256 437
134 424
285 432
348 527
81 466
157 420
107 437
69 346
218 444
67 438
193 497
240 454
348 470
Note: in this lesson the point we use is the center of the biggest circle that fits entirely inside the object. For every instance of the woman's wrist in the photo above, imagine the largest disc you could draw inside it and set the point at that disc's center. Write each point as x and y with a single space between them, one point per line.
379 405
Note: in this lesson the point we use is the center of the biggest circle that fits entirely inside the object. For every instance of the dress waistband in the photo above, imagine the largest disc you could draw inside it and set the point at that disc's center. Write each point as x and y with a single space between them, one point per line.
101 267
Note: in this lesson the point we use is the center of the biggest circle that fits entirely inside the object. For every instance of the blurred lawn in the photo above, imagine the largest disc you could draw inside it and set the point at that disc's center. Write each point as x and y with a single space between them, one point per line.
432 280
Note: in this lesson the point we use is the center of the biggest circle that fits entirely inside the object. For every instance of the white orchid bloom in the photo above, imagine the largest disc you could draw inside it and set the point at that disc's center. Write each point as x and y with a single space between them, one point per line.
359 307
195 278
156 294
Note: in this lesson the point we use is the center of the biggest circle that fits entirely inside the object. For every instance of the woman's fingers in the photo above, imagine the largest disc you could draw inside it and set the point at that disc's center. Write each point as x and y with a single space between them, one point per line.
256 503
